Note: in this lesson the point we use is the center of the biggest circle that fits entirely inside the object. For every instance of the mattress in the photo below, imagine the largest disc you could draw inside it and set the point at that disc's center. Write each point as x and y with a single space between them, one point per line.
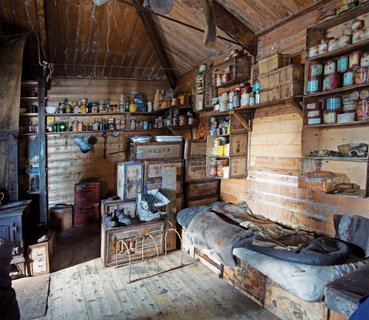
304 281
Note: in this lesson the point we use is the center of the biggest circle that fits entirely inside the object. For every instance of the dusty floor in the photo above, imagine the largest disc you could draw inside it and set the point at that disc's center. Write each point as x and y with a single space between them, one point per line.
81 288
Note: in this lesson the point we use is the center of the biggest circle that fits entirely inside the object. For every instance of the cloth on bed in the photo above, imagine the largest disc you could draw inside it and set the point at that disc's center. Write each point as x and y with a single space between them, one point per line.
321 251
210 232
304 281
185 216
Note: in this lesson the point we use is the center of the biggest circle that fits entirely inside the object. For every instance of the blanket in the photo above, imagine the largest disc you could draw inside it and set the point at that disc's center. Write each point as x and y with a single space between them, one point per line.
210 232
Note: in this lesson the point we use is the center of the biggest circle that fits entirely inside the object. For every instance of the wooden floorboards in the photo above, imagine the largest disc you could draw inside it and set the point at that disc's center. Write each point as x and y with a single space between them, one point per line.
90 291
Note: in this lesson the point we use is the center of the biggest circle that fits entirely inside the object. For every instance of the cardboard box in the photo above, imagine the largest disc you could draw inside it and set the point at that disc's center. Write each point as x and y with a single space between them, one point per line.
39 255
321 180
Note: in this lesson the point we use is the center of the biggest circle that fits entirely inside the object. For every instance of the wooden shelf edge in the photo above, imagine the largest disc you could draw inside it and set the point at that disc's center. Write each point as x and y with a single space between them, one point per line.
345 159
100 114
325 125
336 92
331 54
341 18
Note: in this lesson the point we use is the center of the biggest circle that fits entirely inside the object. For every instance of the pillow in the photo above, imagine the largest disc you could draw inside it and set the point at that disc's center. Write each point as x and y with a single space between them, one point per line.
355 231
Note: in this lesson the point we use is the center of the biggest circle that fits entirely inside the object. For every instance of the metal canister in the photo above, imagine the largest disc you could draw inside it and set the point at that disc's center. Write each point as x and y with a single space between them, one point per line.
354 59
342 64
332 81
314 85
315 69
348 78
145 125
364 61
333 104
329 67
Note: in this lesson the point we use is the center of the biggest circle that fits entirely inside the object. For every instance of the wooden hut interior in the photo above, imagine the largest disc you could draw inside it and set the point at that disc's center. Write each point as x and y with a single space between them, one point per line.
190 159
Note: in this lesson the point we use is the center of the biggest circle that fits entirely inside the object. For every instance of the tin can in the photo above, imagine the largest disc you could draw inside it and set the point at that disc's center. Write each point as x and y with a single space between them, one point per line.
331 81
313 51
354 59
348 78
362 109
364 61
360 75
315 70
342 64
333 104
314 85
329 67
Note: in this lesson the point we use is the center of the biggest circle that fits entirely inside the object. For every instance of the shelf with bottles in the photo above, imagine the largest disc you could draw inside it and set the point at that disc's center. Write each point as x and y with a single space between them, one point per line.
220 167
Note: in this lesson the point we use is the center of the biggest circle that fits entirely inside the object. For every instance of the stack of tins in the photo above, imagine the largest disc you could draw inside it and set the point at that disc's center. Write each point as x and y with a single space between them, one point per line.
200 189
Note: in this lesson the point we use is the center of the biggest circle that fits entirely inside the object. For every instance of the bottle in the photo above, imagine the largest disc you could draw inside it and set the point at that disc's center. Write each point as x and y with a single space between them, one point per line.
257 96
156 100
126 106
252 98
236 98
189 118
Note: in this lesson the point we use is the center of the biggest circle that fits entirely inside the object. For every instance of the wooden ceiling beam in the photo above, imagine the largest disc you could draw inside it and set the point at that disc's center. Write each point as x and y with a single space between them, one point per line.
153 34
234 27
41 28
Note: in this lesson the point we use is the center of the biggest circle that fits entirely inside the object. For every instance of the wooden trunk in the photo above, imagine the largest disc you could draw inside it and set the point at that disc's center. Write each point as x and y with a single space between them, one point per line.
156 151
133 235
129 180
61 217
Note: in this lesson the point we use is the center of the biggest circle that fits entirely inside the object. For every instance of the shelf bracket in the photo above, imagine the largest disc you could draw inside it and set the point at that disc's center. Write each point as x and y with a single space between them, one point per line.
242 120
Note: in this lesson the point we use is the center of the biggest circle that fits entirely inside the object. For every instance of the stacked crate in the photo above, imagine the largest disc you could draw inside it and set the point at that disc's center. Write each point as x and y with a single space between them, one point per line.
200 189
163 168
279 79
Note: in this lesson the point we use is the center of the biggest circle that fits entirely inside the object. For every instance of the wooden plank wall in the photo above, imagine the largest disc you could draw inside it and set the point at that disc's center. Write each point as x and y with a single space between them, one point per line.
66 164
275 155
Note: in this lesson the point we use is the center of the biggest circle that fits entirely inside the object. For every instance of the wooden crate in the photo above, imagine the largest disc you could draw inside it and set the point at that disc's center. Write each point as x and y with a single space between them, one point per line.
248 280
39 254
156 151
282 91
202 202
61 217
324 184
194 149
195 169
154 169
158 183
238 167
129 180
111 236
202 189
236 126
109 205
282 75
238 145
273 62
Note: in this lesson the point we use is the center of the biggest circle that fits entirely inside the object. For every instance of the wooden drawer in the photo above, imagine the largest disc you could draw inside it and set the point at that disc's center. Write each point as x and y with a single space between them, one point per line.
156 151
111 236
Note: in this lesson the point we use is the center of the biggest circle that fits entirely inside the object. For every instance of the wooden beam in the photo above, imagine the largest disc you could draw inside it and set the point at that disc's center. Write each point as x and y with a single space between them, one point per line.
242 120
234 27
153 33
41 28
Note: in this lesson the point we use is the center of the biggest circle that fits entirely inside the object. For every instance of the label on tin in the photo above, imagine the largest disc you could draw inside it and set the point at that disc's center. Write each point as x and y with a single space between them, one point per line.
348 78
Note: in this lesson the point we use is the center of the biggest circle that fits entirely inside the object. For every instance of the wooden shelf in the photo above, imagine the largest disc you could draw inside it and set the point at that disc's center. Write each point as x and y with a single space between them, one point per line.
26 114
338 91
29 83
175 107
346 49
231 82
338 159
99 114
30 134
30 98
220 135
355 123
341 18
101 131
187 126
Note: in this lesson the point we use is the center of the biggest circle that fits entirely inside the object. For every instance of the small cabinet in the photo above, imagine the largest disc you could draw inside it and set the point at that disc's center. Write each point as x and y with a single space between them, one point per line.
336 98
226 147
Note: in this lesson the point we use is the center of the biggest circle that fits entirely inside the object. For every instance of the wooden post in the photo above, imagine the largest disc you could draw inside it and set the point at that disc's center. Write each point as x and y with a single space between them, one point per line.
42 150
